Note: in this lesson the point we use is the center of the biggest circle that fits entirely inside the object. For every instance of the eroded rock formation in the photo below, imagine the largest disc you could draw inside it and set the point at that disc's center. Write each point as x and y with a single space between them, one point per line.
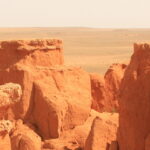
62 93
24 138
105 89
64 97
31 52
134 121
5 128
10 95
18 61
103 132
81 138
53 109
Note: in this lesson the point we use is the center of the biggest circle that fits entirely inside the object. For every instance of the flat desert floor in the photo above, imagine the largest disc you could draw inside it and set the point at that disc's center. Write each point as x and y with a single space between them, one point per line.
92 49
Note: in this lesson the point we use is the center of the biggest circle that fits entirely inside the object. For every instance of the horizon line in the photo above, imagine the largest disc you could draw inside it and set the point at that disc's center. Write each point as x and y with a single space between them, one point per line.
74 27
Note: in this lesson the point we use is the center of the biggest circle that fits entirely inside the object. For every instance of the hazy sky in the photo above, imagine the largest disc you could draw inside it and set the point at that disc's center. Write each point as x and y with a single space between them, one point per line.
85 13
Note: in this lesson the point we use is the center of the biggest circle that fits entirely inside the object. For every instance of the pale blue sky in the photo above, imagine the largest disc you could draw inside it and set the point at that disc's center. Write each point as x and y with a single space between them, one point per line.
85 13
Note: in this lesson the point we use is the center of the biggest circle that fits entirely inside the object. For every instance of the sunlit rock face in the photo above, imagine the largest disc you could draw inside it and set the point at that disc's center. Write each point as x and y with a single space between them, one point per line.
20 59
134 121
103 132
63 93
47 105
105 88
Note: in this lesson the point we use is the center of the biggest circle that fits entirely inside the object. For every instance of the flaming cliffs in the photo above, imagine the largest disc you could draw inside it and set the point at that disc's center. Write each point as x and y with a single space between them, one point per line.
46 105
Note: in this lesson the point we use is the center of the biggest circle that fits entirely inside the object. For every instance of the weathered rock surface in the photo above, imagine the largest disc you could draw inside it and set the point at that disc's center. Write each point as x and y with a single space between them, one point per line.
53 109
134 121
23 138
10 95
61 144
105 89
147 142
77 137
113 79
103 132
64 97
31 52
98 90
63 94
114 145
18 61
5 128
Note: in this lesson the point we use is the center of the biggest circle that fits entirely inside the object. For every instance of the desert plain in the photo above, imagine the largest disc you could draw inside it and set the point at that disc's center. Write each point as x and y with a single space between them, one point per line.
93 49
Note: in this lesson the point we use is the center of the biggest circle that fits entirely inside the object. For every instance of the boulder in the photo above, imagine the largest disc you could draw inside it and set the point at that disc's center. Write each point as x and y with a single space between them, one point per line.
23 138
103 132
76 138
10 96
5 128
62 100
61 144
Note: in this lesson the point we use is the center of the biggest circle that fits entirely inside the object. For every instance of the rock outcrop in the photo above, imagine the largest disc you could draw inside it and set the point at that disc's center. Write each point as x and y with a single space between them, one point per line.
5 127
134 121
23 138
77 138
103 132
105 89
98 92
64 97
10 95
63 93
53 109
18 61
31 52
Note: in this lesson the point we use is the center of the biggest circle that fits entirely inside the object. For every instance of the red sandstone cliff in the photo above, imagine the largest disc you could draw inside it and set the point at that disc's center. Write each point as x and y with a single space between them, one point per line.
62 93
53 109
18 61
31 52
134 121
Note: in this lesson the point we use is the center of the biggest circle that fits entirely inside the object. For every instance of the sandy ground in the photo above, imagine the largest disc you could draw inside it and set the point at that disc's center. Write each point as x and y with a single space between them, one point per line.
92 49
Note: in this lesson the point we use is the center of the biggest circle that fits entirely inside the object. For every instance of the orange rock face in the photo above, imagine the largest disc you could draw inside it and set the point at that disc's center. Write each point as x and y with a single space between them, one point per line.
77 137
105 89
31 52
98 91
23 138
134 122
20 58
64 97
103 132
10 95
55 98
5 128
49 104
